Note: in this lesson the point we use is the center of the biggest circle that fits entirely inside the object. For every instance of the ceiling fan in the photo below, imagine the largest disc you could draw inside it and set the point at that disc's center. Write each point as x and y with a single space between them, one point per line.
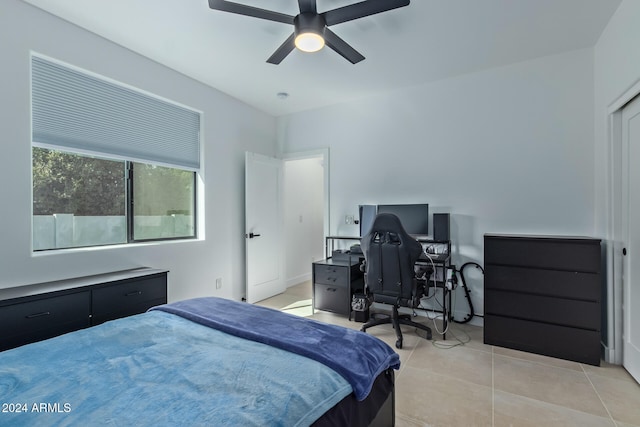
310 28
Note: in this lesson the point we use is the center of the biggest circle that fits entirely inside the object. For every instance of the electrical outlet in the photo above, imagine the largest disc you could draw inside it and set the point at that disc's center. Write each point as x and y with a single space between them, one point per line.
218 282
349 219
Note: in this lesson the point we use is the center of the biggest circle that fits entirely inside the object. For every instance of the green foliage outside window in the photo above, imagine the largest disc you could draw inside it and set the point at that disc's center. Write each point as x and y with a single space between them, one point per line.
162 191
81 185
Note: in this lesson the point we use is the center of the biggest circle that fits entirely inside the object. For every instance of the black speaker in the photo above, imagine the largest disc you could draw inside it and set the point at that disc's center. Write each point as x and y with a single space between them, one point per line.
441 225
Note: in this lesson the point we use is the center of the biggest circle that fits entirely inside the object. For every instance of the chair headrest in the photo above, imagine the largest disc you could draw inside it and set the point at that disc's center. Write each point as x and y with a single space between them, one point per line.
387 222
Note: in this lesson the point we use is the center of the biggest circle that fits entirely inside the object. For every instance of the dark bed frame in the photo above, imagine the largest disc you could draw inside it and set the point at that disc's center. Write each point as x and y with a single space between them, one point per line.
377 410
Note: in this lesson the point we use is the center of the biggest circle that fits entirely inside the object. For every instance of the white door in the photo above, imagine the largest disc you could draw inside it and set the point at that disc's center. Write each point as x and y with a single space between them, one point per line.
631 224
263 227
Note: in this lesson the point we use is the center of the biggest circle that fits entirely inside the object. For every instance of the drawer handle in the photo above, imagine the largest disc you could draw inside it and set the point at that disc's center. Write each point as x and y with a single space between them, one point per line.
130 294
331 289
44 313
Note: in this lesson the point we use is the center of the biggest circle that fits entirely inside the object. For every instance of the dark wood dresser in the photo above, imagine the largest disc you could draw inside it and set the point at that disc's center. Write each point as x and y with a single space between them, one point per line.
37 312
542 294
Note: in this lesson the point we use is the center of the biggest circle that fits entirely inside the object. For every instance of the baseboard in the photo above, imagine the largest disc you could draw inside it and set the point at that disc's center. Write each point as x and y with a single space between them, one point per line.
609 355
298 280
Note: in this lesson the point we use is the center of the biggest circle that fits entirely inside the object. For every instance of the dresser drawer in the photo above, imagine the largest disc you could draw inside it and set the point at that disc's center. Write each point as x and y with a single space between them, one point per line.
574 344
568 254
44 318
331 275
559 311
563 284
332 298
128 298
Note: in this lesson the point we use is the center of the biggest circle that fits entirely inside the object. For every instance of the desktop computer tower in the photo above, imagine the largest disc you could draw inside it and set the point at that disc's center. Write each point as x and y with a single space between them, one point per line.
367 215
441 226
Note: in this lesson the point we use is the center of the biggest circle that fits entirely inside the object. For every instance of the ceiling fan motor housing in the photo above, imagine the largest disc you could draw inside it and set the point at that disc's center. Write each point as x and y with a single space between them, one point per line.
309 23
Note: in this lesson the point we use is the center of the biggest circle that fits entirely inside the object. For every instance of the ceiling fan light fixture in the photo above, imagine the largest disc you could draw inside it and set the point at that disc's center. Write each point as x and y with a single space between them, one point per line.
309 32
309 42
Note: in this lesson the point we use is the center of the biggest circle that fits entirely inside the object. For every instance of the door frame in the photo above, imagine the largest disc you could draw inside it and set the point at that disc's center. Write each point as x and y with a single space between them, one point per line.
322 153
615 227
311 154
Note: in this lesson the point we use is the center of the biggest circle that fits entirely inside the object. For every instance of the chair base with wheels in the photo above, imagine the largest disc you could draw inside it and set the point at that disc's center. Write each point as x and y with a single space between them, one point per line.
397 319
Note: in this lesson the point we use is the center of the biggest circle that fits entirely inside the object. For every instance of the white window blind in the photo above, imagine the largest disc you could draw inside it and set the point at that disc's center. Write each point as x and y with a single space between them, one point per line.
78 111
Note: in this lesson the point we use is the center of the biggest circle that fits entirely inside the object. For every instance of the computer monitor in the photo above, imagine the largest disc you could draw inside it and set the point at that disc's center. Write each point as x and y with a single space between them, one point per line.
414 218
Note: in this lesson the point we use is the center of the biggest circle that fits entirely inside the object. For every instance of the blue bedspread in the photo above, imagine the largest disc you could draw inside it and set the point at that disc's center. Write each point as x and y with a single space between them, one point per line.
358 357
158 369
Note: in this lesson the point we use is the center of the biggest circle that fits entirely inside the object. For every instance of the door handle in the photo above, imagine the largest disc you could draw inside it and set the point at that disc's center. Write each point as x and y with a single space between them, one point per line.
252 235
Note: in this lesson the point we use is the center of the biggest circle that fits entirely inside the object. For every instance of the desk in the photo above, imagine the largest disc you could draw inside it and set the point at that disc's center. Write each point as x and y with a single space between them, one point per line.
328 249
441 262
438 280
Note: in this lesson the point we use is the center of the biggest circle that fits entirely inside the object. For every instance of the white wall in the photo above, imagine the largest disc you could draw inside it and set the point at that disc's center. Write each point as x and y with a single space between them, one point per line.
230 127
303 217
506 150
616 71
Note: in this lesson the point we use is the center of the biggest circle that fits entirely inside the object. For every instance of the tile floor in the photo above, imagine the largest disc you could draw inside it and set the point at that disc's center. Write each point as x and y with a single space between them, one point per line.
473 384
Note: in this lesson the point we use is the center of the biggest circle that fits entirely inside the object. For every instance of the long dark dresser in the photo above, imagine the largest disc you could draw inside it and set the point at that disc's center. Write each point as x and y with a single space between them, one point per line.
37 312
542 294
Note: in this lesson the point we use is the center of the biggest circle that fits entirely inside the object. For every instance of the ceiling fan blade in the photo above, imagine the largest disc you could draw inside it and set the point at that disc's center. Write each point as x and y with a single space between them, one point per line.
307 6
340 46
282 52
255 12
360 10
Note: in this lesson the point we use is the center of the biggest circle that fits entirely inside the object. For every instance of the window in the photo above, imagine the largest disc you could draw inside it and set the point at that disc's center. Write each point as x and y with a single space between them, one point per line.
77 200
111 164
82 201
163 202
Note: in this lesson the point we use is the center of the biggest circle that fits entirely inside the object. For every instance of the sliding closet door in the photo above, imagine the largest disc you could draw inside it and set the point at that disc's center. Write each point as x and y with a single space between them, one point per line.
631 224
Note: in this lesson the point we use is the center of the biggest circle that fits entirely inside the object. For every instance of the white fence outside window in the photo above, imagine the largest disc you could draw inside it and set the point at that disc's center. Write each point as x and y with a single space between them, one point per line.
69 231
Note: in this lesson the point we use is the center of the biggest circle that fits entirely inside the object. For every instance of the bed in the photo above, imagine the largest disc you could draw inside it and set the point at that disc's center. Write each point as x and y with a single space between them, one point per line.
201 362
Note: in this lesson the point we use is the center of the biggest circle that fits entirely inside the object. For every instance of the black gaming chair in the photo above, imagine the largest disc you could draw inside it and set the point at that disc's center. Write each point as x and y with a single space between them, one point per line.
390 254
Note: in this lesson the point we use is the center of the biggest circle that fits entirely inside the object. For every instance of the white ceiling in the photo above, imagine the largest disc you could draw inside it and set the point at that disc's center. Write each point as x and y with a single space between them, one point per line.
426 41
